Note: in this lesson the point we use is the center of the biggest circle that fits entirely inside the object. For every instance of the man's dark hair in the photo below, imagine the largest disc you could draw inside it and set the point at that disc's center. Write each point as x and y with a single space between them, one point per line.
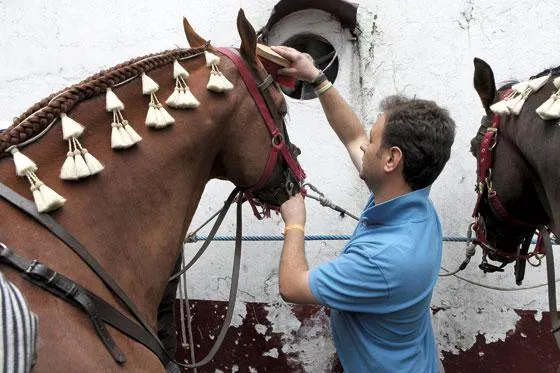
424 132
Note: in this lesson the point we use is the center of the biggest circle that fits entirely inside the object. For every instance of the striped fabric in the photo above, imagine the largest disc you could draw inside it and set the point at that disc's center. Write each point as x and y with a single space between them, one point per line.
18 330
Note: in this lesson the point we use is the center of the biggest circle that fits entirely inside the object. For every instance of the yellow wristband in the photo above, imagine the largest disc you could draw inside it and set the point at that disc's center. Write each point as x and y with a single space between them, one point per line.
297 227
323 88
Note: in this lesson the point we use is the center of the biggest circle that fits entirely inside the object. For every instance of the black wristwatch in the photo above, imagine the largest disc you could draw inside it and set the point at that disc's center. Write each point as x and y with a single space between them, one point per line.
319 79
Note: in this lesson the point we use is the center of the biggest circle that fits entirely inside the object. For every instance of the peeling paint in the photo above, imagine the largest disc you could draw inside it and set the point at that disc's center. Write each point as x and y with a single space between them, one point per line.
261 329
457 328
272 353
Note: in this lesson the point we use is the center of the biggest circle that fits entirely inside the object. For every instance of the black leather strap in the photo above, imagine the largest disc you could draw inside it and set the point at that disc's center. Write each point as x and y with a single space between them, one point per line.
54 282
98 310
211 235
49 223
554 320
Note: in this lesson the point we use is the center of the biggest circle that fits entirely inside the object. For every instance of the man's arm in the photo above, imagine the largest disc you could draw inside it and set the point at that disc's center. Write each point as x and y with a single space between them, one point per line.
294 271
341 117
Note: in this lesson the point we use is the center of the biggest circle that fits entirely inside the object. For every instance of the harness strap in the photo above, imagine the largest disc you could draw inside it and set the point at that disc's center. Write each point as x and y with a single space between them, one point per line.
211 235
555 322
55 228
261 99
98 310
234 274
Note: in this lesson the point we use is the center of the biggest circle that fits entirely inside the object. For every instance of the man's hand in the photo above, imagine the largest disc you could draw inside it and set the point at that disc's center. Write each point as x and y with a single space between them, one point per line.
293 210
301 68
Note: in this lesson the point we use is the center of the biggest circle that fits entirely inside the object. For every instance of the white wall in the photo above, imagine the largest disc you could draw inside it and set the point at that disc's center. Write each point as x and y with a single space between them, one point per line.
412 47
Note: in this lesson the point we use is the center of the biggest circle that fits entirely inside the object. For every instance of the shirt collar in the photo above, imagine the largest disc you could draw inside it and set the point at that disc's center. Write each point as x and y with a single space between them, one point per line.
413 206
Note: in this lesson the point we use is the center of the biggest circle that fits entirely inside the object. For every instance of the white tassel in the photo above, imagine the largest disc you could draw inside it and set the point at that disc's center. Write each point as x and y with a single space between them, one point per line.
151 119
168 119
543 110
112 102
23 164
500 108
226 84
149 86
52 199
179 71
538 83
161 120
134 136
215 84
211 59
520 87
92 163
173 99
82 169
553 110
187 99
117 142
38 198
68 170
45 198
516 104
70 128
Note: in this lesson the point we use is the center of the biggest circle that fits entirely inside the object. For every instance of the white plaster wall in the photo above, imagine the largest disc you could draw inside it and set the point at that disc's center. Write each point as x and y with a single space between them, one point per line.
411 47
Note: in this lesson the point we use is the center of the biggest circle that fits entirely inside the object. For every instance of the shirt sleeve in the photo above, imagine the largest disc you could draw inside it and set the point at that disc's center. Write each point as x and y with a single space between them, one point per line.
351 282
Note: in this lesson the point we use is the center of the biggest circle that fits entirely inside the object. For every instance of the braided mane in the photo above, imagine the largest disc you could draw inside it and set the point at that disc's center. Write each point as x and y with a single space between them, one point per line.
553 71
35 119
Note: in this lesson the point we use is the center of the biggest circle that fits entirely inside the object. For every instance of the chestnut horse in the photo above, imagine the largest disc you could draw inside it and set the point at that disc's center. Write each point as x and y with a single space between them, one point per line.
133 216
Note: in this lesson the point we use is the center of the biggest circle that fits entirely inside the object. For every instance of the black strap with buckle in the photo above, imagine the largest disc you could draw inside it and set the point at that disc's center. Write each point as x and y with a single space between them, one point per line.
101 310
98 310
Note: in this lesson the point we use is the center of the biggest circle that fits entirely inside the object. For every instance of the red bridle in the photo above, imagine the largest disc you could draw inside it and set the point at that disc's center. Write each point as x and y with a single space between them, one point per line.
272 120
484 184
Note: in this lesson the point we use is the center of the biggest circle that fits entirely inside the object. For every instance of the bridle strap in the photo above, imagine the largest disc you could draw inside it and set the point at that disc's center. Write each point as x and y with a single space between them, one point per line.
270 116
233 288
551 279
211 235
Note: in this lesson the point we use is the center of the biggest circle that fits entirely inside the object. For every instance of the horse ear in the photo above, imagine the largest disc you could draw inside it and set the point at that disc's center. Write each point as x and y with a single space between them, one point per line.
195 40
484 83
248 38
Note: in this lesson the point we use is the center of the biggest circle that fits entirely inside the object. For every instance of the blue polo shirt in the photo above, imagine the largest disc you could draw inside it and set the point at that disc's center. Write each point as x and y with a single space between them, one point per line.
380 287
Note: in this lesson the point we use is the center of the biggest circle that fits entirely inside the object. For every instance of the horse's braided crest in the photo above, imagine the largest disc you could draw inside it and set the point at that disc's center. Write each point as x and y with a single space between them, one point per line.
40 115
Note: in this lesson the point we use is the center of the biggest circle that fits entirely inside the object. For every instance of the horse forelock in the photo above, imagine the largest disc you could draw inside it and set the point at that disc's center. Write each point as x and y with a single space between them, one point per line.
36 119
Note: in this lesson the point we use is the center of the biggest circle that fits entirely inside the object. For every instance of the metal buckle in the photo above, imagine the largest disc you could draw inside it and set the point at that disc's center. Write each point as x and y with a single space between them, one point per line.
266 83
4 250
277 141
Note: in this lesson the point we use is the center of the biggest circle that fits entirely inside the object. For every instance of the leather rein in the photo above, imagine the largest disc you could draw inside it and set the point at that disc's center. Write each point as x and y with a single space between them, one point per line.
101 312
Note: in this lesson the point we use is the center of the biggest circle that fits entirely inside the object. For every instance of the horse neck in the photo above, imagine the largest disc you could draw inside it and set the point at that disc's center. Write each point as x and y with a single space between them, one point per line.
536 141
133 216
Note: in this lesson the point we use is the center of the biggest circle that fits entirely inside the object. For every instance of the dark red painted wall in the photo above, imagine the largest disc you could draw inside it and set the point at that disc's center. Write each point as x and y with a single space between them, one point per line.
530 349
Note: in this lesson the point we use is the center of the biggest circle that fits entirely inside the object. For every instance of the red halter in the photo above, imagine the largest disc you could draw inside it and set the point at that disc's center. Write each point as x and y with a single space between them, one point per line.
484 183
272 120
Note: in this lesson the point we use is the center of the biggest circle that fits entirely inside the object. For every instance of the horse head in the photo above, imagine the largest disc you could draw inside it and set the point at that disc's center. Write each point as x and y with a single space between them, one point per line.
509 206
271 179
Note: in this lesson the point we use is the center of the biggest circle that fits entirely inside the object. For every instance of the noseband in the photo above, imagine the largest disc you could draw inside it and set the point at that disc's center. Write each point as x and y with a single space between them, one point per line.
280 143
487 194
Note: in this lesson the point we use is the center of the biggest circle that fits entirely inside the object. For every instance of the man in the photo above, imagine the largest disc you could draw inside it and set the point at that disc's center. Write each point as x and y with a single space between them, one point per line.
380 287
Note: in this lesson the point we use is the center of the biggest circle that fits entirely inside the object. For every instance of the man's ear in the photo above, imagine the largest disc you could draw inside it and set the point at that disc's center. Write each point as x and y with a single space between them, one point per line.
393 159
